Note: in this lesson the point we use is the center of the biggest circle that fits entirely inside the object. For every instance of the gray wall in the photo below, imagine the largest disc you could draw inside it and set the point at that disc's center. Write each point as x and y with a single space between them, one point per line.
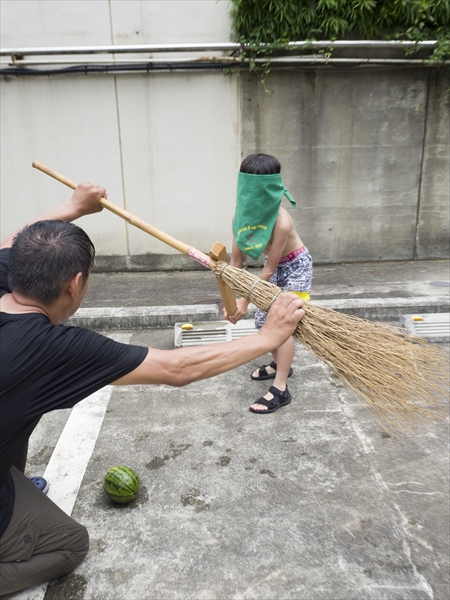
365 152
166 146
433 214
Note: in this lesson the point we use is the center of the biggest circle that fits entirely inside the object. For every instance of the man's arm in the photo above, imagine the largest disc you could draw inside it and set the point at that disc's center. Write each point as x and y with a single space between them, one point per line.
185 365
85 201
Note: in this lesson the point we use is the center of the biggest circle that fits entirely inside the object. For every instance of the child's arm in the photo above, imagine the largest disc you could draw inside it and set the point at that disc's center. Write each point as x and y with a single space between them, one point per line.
237 260
283 227
237 256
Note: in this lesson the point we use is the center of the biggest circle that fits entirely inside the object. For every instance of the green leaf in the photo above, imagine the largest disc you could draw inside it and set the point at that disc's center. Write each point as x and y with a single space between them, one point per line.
278 21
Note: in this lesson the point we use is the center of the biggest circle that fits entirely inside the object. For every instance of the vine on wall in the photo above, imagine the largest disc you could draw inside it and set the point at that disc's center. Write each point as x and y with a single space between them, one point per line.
276 22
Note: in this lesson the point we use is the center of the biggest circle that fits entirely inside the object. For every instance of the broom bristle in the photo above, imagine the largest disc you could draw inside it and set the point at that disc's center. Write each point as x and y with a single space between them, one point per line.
397 375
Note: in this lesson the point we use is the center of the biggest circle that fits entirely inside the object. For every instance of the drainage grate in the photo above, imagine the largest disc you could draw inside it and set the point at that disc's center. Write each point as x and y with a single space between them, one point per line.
435 327
211 332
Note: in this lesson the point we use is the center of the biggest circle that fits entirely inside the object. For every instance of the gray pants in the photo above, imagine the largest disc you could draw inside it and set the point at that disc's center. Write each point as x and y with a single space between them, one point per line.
41 542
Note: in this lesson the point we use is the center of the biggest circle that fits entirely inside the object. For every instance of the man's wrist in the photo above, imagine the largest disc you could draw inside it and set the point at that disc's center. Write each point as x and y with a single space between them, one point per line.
72 211
266 340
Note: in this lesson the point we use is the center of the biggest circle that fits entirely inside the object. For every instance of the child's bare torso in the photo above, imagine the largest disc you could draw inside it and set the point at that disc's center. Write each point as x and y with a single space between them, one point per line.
293 241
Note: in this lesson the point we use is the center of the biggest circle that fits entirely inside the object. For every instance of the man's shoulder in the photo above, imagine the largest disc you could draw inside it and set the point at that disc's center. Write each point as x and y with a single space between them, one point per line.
4 270
37 328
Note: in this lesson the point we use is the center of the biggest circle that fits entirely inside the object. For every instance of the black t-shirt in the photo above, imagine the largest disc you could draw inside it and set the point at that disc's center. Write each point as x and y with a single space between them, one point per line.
44 367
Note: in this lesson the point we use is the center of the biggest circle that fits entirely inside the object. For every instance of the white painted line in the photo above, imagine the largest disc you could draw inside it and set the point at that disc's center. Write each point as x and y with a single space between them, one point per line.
69 460
68 463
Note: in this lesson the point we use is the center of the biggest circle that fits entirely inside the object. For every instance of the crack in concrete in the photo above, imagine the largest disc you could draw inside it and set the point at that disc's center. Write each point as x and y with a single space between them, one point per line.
368 449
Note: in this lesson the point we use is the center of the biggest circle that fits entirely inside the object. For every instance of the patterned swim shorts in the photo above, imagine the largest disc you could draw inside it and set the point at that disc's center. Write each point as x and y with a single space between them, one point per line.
294 275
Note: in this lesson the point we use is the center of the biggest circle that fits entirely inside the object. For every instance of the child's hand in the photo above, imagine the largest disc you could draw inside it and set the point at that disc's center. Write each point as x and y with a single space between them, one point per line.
241 311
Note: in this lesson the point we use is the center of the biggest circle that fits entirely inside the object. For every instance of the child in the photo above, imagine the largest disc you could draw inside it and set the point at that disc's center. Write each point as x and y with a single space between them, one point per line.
261 225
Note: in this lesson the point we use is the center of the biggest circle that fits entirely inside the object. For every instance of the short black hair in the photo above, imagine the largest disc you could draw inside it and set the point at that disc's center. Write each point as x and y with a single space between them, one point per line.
260 164
45 255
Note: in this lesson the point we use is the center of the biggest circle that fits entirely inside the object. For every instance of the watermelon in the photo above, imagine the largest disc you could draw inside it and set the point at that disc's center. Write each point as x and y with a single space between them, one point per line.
121 484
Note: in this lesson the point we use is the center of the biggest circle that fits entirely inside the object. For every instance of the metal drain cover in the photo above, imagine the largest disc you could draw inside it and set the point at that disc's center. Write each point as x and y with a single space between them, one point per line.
435 327
211 332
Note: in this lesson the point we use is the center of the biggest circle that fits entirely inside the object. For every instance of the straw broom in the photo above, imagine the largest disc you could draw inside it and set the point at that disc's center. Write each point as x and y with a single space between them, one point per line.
396 374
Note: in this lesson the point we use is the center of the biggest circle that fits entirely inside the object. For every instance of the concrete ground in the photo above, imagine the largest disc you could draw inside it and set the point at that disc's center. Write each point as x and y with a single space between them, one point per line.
315 501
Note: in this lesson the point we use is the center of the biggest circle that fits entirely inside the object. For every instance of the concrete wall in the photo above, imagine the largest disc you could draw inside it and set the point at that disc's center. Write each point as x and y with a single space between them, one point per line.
432 234
166 146
364 151
366 154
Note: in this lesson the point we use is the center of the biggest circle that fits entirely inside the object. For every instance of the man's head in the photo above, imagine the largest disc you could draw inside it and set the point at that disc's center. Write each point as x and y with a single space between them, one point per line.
45 256
260 164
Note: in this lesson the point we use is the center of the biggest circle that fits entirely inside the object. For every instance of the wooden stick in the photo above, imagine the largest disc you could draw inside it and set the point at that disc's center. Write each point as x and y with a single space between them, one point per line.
219 252
136 221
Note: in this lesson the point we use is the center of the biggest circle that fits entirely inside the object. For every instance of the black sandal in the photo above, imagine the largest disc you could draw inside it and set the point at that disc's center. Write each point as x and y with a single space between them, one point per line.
263 374
279 399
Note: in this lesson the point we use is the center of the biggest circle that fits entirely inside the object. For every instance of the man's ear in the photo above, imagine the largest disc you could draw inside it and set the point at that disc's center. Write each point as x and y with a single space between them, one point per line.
74 284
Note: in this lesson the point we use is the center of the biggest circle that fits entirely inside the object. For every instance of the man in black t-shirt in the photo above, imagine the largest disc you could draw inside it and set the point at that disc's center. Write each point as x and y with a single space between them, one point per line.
45 366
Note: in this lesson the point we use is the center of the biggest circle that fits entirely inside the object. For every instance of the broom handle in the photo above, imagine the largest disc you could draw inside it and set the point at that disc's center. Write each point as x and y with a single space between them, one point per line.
136 221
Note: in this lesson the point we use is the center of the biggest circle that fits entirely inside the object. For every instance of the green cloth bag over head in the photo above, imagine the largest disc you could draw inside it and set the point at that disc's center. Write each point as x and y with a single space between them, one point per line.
258 201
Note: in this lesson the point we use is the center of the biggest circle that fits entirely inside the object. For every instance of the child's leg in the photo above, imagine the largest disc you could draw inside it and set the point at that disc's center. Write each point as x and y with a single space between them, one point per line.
269 370
283 356
260 318
293 276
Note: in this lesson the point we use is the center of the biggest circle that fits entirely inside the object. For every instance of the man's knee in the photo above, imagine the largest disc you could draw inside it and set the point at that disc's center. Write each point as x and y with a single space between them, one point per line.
82 542
79 544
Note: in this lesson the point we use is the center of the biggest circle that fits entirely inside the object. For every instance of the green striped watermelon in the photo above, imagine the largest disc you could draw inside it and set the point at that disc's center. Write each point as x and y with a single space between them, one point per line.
121 484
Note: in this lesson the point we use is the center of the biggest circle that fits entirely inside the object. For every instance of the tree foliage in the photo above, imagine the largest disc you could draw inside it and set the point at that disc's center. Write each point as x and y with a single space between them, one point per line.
276 22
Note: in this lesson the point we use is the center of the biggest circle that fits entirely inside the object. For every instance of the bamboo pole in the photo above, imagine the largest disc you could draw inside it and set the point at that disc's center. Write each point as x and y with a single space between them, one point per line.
226 292
124 214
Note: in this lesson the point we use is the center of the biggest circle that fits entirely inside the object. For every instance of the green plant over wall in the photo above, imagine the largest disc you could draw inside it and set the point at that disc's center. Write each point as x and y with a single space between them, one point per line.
276 22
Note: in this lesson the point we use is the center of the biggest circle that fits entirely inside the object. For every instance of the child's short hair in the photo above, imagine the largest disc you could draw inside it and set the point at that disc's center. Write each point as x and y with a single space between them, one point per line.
260 164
